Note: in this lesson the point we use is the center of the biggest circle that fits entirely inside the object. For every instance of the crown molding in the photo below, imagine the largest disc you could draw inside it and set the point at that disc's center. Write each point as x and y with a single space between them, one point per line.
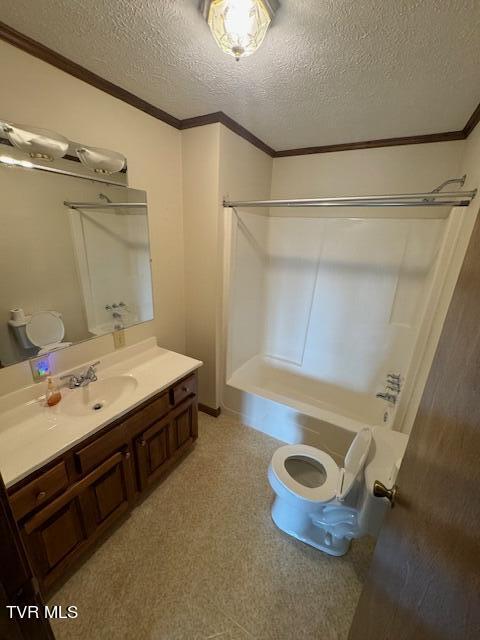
372 144
38 50
50 56
472 122
222 118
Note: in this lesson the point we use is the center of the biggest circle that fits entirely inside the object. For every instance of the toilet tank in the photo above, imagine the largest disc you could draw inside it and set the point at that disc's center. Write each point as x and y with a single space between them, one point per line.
383 463
19 331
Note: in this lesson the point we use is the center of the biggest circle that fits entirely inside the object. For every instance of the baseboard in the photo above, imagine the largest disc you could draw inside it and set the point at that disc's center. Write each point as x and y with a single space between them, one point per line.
211 412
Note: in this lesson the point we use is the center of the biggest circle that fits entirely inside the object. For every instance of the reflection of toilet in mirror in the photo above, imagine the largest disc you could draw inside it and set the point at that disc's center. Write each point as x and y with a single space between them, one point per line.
43 330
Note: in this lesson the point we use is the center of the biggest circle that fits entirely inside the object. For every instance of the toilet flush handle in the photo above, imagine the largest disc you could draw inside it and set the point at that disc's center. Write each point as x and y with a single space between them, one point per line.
381 491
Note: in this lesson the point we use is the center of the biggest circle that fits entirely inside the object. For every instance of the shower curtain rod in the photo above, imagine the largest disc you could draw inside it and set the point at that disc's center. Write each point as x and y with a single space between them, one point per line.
103 205
435 199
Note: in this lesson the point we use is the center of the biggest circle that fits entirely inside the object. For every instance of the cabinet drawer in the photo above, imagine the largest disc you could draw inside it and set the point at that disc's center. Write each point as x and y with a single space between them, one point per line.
101 448
149 414
39 491
184 389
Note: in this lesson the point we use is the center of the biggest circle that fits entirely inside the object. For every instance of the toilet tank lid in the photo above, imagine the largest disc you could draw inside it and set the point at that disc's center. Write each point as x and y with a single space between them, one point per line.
45 327
355 460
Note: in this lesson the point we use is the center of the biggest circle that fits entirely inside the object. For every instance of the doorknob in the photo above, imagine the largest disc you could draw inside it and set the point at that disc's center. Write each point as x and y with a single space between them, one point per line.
381 491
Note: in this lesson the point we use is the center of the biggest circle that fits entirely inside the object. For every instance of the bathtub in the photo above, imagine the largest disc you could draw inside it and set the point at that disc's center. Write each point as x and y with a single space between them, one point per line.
297 409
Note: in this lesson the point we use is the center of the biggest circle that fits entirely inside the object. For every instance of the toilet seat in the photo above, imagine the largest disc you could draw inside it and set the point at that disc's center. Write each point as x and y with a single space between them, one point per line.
326 491
46 330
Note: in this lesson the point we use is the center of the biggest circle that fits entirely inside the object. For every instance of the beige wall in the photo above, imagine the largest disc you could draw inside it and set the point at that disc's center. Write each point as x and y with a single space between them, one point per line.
410 168
36 93
201 149
216 163
245 174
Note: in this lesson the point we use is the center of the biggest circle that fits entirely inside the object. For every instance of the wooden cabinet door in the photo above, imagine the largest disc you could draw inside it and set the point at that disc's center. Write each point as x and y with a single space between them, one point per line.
54 535
17 584
153 450
57 534
109 494
184 428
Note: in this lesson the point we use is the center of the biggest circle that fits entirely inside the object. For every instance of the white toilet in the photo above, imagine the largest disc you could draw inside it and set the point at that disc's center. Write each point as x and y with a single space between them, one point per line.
44 330
325 505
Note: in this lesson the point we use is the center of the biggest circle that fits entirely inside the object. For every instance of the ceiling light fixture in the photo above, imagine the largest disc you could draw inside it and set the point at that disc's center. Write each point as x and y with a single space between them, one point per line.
238 26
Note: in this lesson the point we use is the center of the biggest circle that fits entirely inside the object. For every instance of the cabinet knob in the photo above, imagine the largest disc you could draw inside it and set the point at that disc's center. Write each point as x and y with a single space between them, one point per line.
41 495
127 455
143 443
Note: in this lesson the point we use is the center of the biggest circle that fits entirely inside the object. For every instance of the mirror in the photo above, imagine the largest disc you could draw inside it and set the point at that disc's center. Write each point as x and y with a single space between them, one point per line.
69 272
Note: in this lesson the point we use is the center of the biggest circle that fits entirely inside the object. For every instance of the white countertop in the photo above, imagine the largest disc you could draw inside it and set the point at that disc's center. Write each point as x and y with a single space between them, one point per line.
32 434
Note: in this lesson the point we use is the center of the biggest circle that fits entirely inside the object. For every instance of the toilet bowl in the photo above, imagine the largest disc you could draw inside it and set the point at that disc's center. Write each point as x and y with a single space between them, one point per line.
325 504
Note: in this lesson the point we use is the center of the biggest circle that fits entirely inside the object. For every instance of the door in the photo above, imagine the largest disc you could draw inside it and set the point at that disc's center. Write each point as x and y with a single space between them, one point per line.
184 425
424 582
153 452
54 535
17 584
110 493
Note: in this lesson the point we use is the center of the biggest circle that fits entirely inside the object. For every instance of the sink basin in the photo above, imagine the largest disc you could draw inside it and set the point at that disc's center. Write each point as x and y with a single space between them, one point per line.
97 396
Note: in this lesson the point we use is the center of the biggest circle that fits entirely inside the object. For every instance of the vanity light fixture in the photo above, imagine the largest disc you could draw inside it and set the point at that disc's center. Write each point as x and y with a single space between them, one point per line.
101 160
13 162
38 143
238 26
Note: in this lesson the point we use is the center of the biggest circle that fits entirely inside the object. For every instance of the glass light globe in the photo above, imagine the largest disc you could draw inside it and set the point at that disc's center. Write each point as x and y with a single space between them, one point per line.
238 26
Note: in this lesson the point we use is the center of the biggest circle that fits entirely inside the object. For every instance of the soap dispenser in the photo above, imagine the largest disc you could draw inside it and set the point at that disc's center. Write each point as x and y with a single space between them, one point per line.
53 395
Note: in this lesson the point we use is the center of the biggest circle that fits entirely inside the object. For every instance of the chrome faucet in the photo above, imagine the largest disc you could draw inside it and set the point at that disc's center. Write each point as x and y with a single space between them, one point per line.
393 377
389 397
393 387
82 379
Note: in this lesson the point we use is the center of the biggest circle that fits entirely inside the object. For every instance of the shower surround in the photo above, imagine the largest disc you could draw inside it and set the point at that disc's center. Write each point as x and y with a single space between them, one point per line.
318 312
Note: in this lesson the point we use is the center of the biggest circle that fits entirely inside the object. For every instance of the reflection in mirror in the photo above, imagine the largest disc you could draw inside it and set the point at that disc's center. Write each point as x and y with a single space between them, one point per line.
69 273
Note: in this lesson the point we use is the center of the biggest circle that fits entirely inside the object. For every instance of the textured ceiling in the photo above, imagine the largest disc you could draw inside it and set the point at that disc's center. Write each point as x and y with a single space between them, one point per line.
329 71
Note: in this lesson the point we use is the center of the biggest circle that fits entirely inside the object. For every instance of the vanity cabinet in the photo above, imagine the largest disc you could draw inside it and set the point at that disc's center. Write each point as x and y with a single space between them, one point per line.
63 509
158 446
56 534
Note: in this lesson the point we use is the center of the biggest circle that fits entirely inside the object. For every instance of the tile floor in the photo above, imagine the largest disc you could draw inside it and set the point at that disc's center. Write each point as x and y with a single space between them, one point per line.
200 558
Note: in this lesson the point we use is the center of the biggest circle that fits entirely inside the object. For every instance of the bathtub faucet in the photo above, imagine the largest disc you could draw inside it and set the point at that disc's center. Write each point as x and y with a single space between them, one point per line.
393 382
389 397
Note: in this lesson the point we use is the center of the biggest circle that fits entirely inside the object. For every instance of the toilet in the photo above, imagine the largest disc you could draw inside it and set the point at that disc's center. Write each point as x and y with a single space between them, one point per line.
44 330
327 505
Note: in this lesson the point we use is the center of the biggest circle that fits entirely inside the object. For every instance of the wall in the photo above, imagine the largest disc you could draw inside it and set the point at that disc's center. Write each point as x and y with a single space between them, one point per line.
217 163
403 169
201 149
245 174
39 94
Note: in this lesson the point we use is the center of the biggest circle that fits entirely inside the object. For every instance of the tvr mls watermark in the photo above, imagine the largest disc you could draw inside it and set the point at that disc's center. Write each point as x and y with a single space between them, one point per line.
33 611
